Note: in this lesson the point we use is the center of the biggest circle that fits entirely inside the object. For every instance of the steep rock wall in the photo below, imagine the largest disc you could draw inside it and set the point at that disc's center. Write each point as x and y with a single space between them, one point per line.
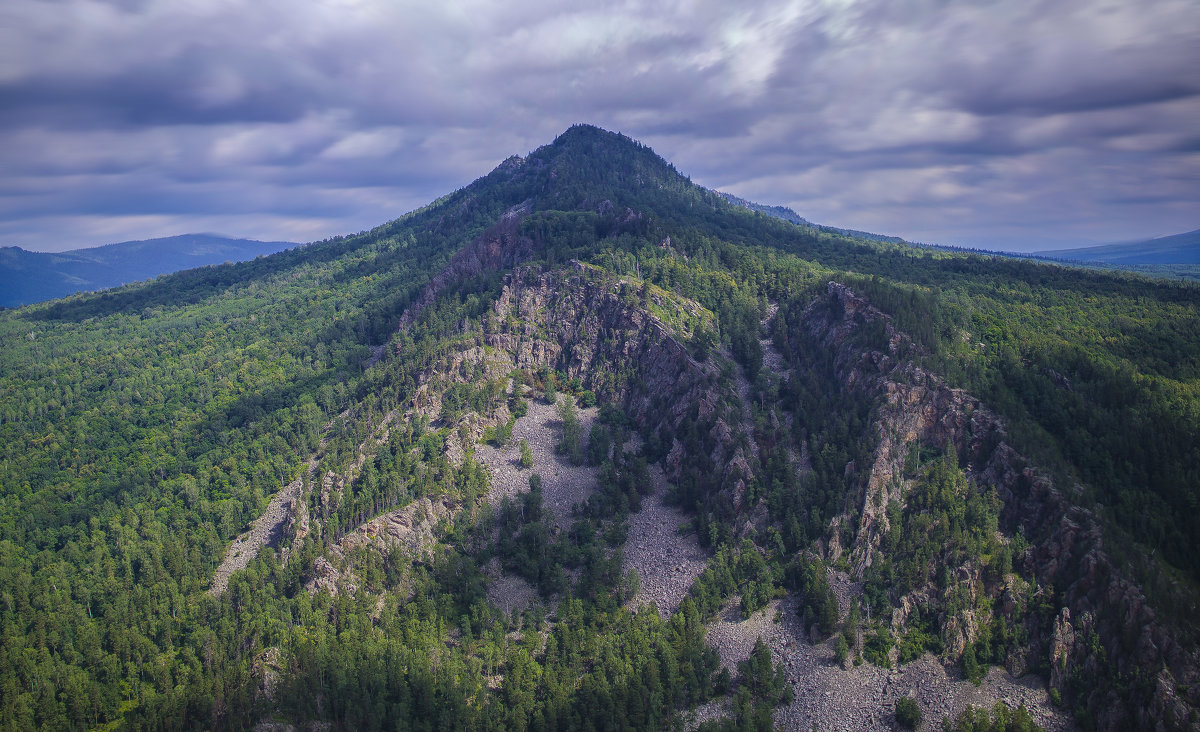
1109 650
602 331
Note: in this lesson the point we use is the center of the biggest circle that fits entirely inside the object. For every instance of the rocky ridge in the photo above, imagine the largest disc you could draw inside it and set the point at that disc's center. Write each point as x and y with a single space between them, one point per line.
601 330
1105 629
268 529
579 323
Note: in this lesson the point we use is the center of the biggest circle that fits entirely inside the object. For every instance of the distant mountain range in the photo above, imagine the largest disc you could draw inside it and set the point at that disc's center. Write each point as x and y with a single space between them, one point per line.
1176 256
29 277
786 214
1177 249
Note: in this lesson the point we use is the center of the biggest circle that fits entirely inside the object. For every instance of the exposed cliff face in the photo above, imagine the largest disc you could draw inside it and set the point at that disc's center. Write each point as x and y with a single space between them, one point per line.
1106 641
412 527
605 332
579 321
626 341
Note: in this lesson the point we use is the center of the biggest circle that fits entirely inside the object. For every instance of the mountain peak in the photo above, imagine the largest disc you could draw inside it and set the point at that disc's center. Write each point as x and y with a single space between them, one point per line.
583 133
589 140
585 165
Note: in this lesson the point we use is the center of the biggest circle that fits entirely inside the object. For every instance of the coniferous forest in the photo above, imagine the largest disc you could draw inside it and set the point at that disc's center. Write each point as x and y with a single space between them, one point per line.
143 429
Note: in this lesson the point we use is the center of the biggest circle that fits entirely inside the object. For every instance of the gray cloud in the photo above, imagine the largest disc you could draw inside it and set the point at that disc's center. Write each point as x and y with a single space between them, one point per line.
1002 124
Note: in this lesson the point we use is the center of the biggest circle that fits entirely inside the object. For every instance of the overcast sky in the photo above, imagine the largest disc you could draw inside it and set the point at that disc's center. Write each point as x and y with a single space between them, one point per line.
1015 125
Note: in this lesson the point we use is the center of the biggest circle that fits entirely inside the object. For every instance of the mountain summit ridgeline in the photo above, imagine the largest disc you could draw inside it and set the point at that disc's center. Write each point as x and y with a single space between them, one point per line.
586 445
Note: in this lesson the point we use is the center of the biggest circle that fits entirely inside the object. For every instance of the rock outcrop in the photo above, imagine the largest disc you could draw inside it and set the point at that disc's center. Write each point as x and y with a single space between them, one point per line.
603 331
1109 652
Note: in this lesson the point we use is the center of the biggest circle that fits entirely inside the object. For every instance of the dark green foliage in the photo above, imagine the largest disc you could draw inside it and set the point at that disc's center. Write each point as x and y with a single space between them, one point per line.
624 480
142 429
947 522
599 444
614 668
499 435
908 714
917 639
739 319
408 466
529 545
947 518
731 572
841 650
878 645
761 686
850 635
571 444
525 545
830 422
971 667
765 681
612 416
1000 719
1093 369
156 433
702 344
808 578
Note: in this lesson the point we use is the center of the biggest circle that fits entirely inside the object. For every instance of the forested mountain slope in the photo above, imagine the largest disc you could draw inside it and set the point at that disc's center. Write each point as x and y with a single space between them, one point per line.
999 456
786 214
29 277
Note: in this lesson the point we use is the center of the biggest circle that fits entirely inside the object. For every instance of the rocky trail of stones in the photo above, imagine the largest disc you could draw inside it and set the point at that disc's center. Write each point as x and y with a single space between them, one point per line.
266 530
772 358
863 697
563 486
667 560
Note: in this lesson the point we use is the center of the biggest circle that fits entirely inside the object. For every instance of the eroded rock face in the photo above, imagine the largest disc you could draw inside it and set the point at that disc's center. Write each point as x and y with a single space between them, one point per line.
575 320
597 329
1105 635
1101 634
412 527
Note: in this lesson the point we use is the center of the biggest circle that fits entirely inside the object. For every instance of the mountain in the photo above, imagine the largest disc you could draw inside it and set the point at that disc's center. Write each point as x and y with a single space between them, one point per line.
29 277
786 214
1176 249
585 445
780 212
1175 256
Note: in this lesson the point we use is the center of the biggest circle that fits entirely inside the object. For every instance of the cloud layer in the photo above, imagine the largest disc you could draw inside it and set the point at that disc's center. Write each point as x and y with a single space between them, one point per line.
1017 124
